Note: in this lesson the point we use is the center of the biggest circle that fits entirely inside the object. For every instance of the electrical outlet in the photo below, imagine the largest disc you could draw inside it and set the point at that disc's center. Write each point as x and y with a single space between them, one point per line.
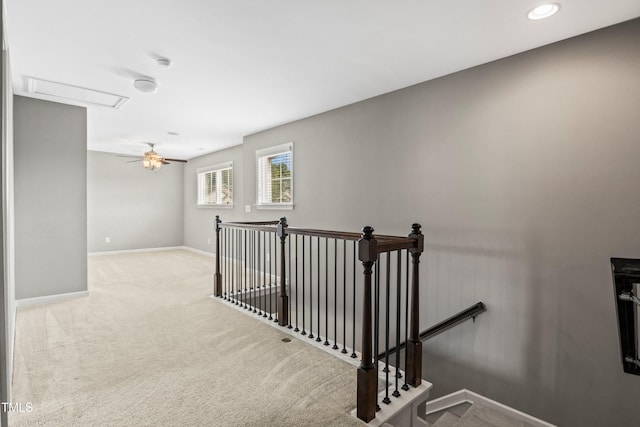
107 239
247 208
208 241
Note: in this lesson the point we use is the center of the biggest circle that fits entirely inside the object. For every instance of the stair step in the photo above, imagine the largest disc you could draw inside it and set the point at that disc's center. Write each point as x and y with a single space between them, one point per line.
446 420
480 416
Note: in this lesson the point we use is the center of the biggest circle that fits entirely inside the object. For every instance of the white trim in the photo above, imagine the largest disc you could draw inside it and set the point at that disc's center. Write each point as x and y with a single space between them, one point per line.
276 149
466 396
168 248
198 251
214 206
275 207
217 166
132 251
395 412
47 299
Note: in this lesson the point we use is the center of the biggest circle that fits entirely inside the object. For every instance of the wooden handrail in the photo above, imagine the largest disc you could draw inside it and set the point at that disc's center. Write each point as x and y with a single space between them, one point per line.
385 243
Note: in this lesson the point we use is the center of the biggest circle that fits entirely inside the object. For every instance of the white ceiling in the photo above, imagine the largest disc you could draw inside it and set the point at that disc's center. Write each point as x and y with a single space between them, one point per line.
241 66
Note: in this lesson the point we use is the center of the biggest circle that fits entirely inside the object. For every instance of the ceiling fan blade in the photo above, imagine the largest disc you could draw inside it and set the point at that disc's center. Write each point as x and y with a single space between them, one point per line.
176 160
134 161
164 162
132 157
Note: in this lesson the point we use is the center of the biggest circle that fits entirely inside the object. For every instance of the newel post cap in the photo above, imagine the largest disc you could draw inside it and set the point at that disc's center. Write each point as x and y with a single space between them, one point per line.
282 227
367 246
416 233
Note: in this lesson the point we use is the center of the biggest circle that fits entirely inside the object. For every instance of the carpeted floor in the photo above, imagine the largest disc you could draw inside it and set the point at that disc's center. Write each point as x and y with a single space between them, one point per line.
148 347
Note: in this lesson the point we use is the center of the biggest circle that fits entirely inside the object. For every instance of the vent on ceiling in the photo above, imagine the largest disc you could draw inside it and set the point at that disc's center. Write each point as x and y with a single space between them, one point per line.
74 94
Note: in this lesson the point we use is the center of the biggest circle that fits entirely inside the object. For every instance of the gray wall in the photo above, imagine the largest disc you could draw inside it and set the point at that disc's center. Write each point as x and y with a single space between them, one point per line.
135 207
523 173
199 222
50 198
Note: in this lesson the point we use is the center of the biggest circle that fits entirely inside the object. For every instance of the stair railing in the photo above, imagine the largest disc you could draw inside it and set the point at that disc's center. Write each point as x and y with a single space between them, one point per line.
307 280
440 327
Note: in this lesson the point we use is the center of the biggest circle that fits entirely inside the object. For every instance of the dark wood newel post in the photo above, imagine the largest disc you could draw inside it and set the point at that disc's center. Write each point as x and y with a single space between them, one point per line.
283 308
414 346
217 278
367 375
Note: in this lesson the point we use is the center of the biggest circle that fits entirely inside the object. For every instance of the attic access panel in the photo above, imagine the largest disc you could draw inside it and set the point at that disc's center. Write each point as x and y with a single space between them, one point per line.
626 283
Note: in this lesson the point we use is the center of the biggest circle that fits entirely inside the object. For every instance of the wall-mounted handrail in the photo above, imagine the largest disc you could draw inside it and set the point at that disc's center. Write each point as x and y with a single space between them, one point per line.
254 259
466 314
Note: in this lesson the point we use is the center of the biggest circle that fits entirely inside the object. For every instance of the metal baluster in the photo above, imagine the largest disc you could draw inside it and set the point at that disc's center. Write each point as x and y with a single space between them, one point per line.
229 265
238 268
290 281
344 297
253 270
353 313
326 291
405 386
259 305
236 279
275 274
244 275
396 393
232 266
296 328
264 270
311 286
318 339
386 399
269 290
335 294
377 319
304 332
229 270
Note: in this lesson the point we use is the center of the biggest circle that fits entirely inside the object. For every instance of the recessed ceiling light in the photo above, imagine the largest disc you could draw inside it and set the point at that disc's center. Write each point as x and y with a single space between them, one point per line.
543 11
145 85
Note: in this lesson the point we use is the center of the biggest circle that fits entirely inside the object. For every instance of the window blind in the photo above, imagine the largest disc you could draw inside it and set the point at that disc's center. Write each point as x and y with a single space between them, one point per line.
275 175
215 185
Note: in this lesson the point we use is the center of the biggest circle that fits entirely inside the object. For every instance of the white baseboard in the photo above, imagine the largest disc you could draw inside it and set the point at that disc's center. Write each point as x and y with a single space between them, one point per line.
198 251
28 302
132 251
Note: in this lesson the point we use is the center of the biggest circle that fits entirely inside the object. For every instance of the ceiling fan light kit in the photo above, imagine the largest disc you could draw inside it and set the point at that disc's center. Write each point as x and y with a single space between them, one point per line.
152 160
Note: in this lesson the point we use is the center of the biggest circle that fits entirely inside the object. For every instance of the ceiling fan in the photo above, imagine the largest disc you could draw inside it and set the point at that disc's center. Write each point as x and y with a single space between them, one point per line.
152 160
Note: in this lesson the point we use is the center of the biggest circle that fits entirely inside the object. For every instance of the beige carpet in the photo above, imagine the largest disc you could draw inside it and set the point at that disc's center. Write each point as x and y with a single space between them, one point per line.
148 347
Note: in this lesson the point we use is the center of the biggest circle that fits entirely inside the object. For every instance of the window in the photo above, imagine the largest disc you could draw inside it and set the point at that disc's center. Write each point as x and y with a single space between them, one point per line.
215 185
275 176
